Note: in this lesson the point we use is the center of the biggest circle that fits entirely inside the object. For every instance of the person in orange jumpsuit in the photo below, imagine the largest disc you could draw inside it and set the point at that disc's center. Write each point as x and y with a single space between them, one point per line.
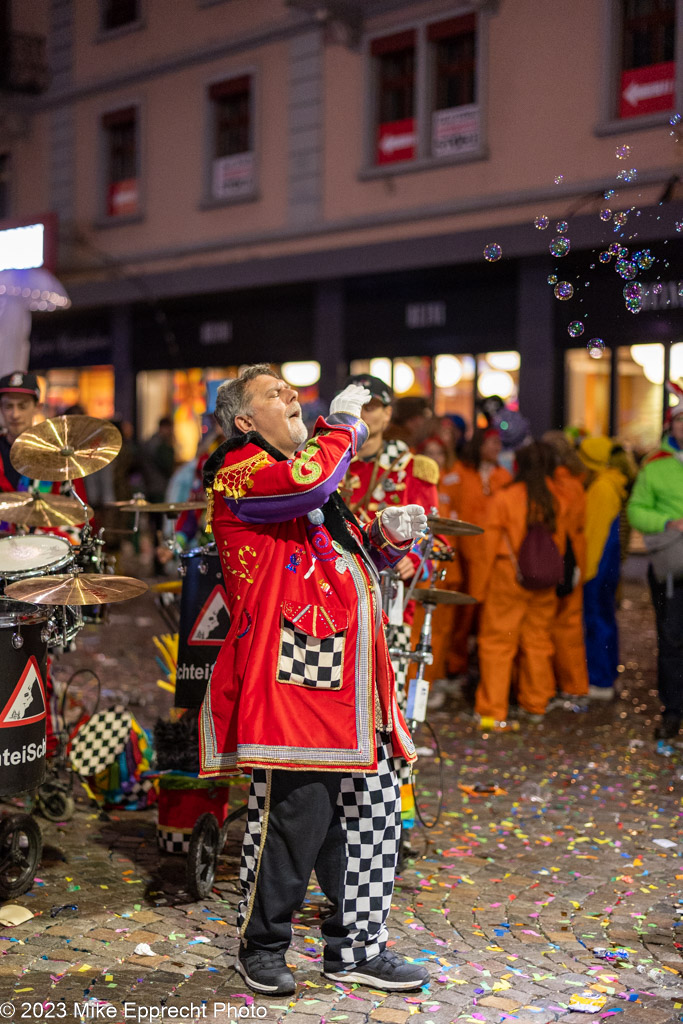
569 663
515 620
470 487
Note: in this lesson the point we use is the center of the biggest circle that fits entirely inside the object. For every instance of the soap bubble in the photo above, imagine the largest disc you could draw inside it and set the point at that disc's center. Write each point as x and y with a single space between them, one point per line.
563 290
605 257
531 793
608 193
559 178
678 225
675 119
559 246
562 227
595 348
575 329
657 288
616 249
633 290
626 269
541 222
605 214
552 278
634 305
628 175
622 152
644 259
680 289
620 218
492 252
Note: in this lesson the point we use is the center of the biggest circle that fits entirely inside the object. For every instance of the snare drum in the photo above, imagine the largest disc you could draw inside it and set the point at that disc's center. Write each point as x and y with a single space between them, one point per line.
23 700
34 555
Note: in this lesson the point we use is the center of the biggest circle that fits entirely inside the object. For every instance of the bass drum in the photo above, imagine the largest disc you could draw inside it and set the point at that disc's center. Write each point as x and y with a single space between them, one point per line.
204 623
23 696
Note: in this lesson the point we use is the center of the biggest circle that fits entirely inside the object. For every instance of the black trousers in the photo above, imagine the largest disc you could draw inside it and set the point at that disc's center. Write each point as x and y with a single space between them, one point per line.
669 618
346 827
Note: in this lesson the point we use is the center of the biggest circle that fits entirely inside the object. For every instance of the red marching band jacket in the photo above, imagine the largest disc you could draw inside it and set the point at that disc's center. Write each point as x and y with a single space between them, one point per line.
304 671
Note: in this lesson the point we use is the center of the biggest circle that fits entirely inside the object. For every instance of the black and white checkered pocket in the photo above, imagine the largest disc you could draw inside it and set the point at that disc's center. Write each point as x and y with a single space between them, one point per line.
315 661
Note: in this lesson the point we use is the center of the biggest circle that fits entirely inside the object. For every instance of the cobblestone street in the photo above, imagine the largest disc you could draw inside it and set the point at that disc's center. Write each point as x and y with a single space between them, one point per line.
504 900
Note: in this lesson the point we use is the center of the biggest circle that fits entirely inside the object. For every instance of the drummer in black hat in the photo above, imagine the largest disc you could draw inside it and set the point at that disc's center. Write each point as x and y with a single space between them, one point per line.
19 403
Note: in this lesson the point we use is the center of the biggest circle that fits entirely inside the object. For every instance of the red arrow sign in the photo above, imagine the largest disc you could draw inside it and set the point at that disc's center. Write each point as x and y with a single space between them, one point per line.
648 90
396 141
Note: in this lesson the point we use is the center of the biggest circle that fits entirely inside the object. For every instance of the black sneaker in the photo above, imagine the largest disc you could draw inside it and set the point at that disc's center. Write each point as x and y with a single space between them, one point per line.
669 726
388 971
265 971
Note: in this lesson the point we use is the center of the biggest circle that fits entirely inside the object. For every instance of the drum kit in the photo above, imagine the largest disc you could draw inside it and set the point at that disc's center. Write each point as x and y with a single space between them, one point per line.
394 602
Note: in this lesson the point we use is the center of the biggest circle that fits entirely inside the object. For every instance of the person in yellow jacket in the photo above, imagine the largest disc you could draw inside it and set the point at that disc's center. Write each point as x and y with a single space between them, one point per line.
605 496
515 620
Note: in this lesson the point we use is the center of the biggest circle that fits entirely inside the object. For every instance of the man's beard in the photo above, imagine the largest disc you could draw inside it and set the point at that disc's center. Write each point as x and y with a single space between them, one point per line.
297 431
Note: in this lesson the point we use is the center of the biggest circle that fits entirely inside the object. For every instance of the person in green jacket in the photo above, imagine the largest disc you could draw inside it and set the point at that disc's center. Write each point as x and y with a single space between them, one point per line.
656 505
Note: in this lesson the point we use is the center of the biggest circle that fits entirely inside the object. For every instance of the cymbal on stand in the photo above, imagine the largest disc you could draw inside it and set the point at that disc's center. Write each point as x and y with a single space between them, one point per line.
452 527
167 507
65 448
26 509
430 595
76 589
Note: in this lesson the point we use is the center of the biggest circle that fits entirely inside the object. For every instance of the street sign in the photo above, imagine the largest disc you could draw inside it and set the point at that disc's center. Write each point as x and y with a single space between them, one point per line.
648 90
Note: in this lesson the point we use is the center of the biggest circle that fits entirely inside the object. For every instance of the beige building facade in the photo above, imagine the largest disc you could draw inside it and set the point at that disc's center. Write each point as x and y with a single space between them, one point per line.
347 181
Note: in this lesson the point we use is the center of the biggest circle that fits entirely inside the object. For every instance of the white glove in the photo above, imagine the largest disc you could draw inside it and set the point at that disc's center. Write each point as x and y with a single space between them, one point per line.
351 400
402 524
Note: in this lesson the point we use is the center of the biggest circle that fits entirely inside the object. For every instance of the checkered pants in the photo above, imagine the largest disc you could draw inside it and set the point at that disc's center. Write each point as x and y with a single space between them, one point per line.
347 829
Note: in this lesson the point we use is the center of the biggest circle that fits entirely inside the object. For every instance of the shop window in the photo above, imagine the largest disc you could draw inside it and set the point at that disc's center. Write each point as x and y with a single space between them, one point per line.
498 374
641 393
91 387
587 398
454 386
117 14
648 56
455 115
394 58
120 130
232 156
5 171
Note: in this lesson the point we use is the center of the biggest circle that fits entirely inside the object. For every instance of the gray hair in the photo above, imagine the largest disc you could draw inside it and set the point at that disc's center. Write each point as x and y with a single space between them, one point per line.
232 397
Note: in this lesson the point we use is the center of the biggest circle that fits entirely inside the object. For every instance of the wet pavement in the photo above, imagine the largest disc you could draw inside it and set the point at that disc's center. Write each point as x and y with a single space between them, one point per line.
505 900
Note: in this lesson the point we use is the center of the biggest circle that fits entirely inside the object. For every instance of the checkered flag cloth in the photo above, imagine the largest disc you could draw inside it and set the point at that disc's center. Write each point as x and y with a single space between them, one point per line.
308 660
99 742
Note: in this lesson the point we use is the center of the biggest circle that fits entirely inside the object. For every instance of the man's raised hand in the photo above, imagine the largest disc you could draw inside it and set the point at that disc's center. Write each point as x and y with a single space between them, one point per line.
351 400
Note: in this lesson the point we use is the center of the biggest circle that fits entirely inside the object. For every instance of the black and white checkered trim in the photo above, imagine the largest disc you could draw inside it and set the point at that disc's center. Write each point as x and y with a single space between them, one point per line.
308 660
251 843
399 637
173 842
99 742
370 807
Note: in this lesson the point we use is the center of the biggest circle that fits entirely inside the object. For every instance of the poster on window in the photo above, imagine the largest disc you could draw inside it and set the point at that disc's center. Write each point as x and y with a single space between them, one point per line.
396 141
648 90
122 198
233 176
455 131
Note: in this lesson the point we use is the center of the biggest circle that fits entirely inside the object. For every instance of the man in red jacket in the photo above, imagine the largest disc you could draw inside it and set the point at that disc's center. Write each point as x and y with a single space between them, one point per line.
302 693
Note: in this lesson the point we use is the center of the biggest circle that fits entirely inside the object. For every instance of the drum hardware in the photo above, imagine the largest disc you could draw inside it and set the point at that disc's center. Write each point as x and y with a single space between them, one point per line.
66 448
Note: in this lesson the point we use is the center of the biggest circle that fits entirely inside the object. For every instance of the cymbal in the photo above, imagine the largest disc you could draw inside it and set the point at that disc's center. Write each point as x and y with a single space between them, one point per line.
65 448
142 505
78 589
439 524
27 509
432 596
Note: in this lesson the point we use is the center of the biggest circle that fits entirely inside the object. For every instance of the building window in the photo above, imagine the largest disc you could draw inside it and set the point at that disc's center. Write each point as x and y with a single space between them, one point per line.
5 170
394 58
119 13
648 57
121 163
426 92
232 156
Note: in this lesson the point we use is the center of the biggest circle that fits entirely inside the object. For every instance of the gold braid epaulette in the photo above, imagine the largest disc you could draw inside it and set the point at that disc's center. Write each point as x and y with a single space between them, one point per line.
425 469
234 481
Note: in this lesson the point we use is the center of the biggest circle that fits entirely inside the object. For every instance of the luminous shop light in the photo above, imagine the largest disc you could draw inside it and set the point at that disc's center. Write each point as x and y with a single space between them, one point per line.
22 247
676 363
404 378
503 360
381 368
496 382
303 374
447 371
642 354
